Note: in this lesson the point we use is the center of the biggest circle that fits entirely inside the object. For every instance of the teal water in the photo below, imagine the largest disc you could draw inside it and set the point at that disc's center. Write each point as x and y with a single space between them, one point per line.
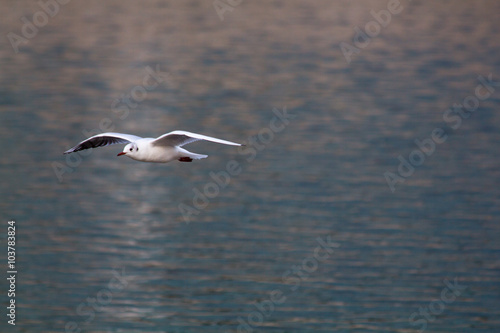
102 241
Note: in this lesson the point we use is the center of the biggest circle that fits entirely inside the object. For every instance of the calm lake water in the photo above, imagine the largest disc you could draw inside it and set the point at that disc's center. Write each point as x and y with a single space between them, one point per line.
306 234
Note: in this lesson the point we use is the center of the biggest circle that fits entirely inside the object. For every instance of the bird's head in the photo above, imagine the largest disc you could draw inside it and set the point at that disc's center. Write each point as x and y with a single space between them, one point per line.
130 150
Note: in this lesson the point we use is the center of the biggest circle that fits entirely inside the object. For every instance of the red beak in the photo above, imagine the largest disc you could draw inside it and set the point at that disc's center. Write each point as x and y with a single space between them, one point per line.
122 153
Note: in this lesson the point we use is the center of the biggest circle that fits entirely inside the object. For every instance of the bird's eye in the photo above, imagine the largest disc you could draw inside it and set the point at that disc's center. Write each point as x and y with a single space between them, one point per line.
131 149
136 149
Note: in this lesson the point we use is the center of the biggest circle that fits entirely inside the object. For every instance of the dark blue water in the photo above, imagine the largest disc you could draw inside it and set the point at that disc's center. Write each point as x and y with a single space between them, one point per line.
305 234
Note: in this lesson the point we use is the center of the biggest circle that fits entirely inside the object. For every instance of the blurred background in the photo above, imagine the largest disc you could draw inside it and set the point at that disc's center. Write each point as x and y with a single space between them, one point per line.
102 241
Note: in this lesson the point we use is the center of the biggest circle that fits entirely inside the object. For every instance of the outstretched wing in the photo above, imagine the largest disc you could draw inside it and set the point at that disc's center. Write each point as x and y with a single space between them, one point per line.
181 138
103 139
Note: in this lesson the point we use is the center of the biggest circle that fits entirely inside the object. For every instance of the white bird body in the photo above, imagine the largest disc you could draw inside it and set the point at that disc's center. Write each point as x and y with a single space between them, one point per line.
164 149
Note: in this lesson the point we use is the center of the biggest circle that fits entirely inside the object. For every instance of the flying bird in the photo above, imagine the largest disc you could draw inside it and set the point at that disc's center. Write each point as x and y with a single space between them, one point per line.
163 149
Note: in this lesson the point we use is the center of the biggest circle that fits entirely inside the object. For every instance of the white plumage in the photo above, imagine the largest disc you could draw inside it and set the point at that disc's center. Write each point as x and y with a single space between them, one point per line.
163 149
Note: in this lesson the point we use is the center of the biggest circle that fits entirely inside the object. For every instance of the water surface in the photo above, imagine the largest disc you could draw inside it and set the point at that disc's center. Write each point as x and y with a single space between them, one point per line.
100 217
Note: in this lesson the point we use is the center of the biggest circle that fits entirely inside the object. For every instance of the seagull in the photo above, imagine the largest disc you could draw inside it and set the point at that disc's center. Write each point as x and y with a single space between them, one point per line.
163 149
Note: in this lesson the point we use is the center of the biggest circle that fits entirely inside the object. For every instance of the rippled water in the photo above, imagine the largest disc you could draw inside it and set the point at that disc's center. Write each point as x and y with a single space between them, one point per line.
102 244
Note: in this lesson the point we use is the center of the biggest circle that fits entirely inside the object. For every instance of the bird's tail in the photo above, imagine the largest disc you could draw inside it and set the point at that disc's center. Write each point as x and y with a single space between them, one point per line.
194 156
197 156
